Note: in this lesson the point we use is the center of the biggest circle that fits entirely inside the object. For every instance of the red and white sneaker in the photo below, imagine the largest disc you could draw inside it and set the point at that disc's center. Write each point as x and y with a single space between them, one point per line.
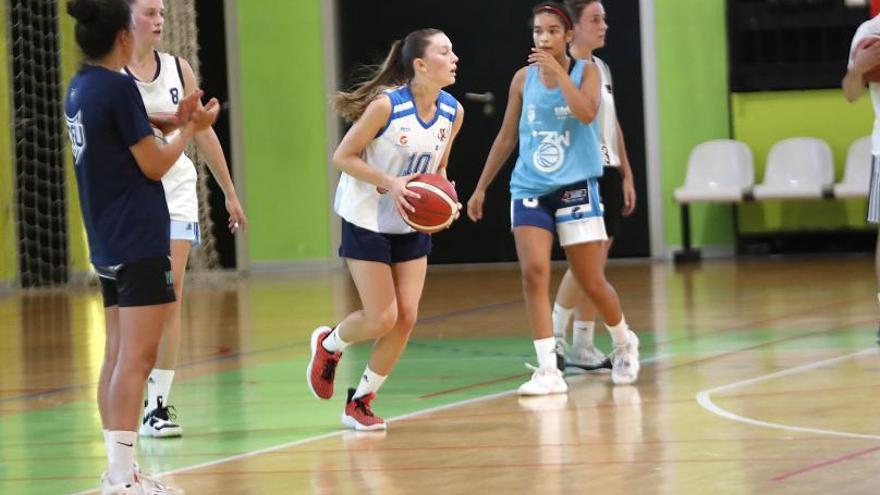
322 367
359 415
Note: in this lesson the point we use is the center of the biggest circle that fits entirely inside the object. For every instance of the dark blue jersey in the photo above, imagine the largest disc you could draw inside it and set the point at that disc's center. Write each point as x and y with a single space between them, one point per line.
125 213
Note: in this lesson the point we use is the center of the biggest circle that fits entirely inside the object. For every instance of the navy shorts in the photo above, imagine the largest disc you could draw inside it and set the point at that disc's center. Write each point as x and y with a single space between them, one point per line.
138 283
573 212
611 189
363 244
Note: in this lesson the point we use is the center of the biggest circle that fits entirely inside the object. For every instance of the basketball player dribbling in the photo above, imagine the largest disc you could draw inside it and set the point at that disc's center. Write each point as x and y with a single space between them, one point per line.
403 124
553 102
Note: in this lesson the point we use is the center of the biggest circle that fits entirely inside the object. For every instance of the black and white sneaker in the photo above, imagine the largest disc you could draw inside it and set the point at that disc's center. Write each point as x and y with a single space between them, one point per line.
159 422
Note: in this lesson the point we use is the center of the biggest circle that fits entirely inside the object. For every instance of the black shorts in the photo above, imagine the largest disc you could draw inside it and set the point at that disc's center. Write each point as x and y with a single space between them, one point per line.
611 190
138 283
363 244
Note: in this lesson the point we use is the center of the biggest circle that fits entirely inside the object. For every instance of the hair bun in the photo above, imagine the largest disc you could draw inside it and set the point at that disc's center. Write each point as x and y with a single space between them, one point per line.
84 11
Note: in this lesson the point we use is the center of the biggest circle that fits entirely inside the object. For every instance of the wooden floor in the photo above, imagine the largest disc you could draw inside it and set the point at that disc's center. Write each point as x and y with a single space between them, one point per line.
759 376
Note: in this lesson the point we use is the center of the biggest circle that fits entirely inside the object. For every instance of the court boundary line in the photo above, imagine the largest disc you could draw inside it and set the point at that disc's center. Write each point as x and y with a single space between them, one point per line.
704 398
324 436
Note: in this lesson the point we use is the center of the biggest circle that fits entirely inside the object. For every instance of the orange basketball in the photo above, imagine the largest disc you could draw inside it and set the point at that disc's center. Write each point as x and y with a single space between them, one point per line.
437 206
873 74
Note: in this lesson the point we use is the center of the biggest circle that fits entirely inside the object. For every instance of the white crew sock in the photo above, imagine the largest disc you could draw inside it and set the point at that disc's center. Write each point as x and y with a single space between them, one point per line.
561 315
334 342
370 383
120 453
619 333
158 386
583 334
546 351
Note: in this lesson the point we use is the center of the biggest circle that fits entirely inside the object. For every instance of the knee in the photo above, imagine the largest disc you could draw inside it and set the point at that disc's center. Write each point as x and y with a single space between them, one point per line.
382 321
595 286
140 361
406 319
535 277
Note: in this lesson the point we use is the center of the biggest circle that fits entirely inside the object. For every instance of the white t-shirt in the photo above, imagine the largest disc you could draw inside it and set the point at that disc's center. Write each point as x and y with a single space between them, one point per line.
163 94
869 27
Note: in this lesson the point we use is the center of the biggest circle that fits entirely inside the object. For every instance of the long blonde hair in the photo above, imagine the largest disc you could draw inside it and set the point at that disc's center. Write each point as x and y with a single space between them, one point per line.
397 69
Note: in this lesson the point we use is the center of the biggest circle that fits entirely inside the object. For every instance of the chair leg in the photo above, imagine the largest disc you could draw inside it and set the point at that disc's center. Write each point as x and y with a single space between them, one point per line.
687 253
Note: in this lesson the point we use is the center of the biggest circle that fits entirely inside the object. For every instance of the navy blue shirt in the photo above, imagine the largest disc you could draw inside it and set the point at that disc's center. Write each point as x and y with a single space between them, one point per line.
125 213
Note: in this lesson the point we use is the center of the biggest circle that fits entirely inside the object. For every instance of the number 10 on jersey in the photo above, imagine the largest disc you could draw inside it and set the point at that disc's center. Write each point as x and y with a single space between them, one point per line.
418 163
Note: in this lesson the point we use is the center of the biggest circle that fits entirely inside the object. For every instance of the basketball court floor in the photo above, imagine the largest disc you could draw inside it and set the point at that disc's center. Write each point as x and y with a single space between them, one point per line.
759 376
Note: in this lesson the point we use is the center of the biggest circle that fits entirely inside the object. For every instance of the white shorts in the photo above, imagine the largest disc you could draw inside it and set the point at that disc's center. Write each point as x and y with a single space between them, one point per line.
186 231
574 212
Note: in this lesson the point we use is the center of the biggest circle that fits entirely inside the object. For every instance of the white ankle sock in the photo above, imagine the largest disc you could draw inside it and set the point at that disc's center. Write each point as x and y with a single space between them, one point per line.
120 453
370 383
334 343
561 315
619 332
158 385
546 351
583 333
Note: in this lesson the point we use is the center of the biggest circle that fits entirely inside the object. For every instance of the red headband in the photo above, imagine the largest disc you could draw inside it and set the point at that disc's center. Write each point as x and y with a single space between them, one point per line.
553 10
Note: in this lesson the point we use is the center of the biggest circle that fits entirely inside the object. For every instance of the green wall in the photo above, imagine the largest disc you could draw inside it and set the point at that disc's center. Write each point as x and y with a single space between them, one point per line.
762 119
283 115
8 257
693 106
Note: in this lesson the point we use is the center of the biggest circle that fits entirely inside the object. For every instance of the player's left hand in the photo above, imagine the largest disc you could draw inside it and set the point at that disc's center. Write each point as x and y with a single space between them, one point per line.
237 219
629 196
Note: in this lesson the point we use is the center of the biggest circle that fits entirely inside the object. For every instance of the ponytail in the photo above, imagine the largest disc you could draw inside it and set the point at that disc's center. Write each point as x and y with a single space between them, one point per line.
350 105
396 70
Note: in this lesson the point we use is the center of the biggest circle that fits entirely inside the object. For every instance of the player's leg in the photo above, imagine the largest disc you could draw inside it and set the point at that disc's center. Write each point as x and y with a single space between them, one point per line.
368 255
158 420
144 291
111 347
533 248
375 285
409 280
583 238
874 217
567 296
584 353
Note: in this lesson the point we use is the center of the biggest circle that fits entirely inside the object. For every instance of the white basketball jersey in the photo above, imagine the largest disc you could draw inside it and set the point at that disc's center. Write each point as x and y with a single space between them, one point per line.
405 146
869 27
607 117
163 94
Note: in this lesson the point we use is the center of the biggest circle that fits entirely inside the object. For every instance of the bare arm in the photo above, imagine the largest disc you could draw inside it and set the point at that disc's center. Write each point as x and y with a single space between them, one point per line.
348 155
502 147
864 59
209 145
629 191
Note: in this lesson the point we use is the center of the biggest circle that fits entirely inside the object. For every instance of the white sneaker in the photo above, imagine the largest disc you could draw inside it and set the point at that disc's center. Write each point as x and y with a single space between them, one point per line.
152 486
544 381
625 361
589 358
159 422
130 488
